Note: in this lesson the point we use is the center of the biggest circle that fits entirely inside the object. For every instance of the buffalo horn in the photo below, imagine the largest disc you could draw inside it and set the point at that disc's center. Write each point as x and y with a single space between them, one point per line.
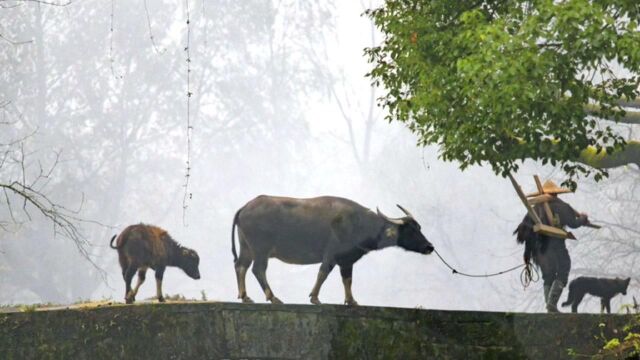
393 221
405 211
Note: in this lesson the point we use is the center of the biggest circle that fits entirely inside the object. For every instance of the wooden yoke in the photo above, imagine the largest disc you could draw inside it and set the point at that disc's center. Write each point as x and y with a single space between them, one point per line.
522 197
545 204
538 198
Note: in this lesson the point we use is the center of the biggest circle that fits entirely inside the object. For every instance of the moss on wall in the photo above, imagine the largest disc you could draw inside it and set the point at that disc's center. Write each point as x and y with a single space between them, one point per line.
229 330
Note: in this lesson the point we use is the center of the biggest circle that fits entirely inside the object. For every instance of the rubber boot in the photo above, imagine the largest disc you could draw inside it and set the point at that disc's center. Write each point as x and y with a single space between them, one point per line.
547 287
554 296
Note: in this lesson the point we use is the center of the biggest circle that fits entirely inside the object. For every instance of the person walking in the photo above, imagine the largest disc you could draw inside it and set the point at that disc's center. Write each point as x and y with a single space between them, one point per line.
547 252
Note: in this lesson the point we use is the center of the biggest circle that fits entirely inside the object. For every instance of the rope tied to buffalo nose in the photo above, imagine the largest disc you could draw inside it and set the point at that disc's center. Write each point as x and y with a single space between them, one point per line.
528 275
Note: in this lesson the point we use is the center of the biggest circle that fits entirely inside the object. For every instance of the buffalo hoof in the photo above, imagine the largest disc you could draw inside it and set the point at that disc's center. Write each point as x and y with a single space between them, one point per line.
351 302
129 300
247 300
275 300
161 299
315 301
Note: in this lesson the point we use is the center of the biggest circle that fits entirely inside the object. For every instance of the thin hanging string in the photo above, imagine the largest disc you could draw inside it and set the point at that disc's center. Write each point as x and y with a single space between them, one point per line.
187 194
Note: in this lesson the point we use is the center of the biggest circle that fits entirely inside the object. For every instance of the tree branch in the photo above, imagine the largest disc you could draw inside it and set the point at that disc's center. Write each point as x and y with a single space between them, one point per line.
630 117
23 191
37 1
13 42
603 160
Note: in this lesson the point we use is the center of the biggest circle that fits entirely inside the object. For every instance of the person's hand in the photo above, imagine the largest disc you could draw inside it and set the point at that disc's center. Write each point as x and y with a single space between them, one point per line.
584 218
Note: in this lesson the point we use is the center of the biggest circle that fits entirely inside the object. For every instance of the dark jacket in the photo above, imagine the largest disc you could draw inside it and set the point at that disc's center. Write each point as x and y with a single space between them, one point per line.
563 215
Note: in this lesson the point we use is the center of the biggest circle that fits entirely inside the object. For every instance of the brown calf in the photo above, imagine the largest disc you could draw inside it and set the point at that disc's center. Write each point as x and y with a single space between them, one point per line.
146 246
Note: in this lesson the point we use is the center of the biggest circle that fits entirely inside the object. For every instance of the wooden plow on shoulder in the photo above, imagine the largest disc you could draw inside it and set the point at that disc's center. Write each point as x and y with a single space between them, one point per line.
533 199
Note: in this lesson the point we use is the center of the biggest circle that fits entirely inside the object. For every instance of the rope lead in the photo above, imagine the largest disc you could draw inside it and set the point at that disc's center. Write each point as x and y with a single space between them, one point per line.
528 275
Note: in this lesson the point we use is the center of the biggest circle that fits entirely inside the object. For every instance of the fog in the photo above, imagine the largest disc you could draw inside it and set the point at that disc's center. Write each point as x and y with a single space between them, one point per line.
280 105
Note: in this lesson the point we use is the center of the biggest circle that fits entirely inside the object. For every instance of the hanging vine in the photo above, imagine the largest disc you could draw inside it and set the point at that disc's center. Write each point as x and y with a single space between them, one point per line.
187 194
111 60
156 48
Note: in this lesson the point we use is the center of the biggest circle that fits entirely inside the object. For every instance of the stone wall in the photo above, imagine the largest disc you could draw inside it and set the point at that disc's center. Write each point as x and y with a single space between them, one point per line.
239 331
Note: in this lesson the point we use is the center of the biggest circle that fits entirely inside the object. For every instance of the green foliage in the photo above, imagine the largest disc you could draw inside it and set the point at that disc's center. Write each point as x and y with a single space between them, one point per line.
628 347
496 82
612 344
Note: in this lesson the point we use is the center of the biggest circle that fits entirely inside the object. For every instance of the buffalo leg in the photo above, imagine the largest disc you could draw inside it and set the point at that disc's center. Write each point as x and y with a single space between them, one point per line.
128 274
241 266
259 269
325 270
142 273
346 272
159 275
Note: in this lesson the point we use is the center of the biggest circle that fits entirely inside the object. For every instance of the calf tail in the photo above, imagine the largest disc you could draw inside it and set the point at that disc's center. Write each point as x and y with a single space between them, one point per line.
111 243
233 235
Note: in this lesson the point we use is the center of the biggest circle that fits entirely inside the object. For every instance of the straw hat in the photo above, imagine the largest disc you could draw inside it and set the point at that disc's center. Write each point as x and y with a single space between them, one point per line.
549 187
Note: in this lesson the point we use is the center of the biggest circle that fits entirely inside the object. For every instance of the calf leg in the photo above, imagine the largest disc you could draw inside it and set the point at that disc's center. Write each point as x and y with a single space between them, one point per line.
325 270
346 272
259 269
127 274
159 275
142 273
241 266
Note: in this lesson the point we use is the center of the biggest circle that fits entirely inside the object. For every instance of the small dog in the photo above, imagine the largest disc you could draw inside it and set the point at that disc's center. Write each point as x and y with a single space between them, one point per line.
605 289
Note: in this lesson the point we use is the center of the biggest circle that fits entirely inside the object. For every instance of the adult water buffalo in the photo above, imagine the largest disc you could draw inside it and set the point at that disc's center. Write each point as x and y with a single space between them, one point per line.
327 230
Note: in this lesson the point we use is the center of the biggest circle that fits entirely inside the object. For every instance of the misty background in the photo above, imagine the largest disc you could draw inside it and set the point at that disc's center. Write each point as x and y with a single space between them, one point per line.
96 92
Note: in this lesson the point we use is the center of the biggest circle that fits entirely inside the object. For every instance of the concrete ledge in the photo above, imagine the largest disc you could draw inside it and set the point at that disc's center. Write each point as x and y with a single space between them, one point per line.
241 331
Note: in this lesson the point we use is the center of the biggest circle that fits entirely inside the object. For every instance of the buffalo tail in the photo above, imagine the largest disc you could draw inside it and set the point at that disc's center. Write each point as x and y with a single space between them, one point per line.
111 243
233 235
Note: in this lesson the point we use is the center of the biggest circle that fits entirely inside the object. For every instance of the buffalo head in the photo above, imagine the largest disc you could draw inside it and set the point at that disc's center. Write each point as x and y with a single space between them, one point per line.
189 261
409 236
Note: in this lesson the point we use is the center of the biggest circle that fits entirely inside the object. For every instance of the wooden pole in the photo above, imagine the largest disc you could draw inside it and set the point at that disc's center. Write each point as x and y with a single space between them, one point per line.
547 208
522 197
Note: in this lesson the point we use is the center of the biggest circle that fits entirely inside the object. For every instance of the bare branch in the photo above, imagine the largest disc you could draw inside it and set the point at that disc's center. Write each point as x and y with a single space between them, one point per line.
13 42
9 6
36 1
19 140
64 223
29 190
